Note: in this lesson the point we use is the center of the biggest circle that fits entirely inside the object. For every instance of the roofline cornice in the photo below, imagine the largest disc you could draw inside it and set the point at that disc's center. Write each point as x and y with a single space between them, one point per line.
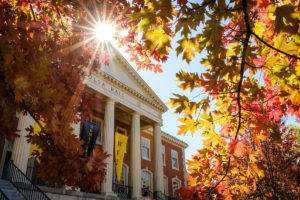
174 140
170 139
139 79
132 91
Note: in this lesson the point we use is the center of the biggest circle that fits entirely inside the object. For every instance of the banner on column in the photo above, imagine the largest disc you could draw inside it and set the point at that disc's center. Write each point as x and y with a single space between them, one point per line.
120 147
89 135
36 131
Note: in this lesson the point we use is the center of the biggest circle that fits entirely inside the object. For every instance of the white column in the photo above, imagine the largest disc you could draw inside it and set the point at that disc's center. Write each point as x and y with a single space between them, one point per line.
108 145
135 156
20 151
158 164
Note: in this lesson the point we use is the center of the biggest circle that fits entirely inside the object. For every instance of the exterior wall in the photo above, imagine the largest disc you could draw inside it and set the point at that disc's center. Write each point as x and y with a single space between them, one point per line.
167 168
168 171
148 164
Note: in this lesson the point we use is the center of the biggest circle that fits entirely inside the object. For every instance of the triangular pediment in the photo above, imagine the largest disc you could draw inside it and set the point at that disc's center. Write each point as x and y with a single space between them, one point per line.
123 72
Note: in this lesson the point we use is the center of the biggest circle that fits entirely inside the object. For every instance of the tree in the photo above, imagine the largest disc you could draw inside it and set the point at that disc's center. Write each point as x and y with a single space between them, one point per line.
251 84
44 58
273 172
45 55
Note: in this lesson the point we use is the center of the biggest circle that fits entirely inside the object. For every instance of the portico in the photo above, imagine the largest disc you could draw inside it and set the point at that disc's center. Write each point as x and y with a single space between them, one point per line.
125 97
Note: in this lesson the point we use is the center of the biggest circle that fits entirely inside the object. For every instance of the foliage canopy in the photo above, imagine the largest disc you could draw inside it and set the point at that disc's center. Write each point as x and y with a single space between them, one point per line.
250 86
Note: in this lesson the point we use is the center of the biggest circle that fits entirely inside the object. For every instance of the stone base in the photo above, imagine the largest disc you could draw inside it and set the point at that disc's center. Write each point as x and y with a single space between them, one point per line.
109 194
140 198
62 194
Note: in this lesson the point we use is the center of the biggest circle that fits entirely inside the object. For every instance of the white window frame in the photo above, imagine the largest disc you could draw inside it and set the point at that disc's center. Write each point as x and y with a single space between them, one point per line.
124 130
172 150
163 151
148 141
99 138
151 178
126 175
179 184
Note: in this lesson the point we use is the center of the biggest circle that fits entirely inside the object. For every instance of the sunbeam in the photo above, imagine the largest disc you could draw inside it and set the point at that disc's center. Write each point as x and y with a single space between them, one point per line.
104 32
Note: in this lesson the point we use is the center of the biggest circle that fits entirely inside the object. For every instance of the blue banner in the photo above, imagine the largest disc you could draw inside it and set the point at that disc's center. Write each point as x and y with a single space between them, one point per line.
89 135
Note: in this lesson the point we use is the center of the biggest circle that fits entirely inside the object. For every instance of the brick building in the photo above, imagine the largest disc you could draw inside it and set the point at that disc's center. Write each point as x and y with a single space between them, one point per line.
154 161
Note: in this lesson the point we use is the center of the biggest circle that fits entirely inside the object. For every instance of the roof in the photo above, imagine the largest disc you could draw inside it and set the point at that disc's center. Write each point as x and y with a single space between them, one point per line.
140 80
174 139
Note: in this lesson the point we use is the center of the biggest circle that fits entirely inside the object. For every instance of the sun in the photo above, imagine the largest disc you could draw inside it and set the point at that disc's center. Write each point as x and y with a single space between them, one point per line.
104 32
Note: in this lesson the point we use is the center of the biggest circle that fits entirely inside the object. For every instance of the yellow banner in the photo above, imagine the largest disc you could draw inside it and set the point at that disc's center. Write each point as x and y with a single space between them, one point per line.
36 130
120 147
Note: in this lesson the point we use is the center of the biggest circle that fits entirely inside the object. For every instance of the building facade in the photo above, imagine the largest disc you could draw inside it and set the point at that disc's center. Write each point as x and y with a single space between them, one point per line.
153 162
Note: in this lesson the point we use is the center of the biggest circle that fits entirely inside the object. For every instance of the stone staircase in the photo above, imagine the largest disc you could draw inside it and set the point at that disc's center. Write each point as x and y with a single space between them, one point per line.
10 191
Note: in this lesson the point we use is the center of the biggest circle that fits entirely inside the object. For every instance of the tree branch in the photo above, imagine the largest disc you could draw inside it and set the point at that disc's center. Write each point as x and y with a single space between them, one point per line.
32 11
254 66
246 42
27 109
233 9
278 50
62 24
3 7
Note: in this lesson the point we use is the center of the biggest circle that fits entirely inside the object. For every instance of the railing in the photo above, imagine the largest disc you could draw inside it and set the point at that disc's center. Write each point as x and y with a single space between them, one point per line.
158 195
147 193
3 196
23 184
123 191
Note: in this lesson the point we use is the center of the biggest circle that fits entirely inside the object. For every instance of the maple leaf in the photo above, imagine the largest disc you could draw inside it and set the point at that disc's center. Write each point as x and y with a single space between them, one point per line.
237 148
263 3
157 39
157 69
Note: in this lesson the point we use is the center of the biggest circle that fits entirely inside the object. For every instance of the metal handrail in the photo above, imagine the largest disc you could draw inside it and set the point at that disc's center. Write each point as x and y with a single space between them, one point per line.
3 196
158 195
22 183
123 191
146 192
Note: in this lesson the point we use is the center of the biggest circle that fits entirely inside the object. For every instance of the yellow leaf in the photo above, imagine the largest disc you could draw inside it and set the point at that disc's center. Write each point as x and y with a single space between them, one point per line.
258 172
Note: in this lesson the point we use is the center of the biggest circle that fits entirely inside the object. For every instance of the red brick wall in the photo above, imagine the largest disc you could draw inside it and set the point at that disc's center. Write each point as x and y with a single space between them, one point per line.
168 171
148 163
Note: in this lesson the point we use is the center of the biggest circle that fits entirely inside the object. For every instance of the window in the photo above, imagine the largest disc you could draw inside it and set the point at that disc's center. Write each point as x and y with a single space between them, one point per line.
124 176
145 148
163 155
99 122
174 155
175 185
146 180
